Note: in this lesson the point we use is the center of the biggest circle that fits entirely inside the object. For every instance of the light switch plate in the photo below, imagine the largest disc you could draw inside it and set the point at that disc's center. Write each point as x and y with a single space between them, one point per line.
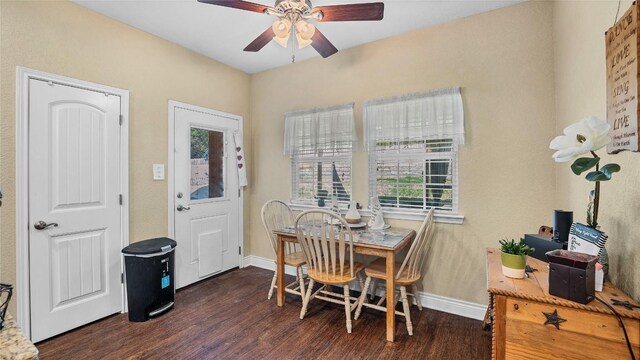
158 171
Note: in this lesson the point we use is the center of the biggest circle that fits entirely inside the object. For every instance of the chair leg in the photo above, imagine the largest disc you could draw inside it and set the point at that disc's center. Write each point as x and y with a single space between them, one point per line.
414 289
301 280
306 299
383 298
374 290
362 298
273 284
405 306
347 307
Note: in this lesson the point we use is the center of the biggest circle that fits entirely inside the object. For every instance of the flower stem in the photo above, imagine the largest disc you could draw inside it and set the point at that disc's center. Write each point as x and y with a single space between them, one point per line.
596 197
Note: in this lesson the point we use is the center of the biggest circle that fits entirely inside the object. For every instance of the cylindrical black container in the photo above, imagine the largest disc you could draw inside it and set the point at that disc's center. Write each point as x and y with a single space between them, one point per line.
149 274
562 221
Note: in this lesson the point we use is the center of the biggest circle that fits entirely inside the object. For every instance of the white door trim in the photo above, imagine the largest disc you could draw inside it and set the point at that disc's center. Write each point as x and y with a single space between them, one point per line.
170 170
23 75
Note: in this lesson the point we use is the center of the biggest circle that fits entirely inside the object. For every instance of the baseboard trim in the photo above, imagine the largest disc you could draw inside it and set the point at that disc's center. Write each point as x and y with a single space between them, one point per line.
268 264
432 301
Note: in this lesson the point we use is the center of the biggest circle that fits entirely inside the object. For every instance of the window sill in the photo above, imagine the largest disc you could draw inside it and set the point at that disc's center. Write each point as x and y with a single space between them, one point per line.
392 214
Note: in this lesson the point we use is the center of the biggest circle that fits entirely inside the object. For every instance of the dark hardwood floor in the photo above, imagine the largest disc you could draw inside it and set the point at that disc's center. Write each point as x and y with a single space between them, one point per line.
229 317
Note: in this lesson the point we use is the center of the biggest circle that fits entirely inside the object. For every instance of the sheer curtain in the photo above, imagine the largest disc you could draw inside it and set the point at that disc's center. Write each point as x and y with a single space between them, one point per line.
328 129
436 114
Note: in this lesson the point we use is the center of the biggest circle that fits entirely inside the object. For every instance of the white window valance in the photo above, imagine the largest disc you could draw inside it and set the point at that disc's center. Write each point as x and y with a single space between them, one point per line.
436 114
331 129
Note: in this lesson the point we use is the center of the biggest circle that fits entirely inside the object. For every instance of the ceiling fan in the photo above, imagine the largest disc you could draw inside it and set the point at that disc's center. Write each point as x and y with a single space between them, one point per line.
293 21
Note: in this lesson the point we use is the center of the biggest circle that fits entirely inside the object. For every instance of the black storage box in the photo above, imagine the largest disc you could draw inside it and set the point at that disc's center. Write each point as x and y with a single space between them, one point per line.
541 245
149 274
572 275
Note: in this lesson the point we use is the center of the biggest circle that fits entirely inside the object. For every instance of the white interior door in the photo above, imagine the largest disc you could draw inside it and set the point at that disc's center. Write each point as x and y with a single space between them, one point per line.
206 194
74 207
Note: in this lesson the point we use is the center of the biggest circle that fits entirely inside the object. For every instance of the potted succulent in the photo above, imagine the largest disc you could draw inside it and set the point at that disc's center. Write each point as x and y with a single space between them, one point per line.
514 257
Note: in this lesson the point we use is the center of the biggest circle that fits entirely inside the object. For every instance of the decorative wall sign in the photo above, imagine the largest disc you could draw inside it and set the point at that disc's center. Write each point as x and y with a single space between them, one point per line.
240 161
621 43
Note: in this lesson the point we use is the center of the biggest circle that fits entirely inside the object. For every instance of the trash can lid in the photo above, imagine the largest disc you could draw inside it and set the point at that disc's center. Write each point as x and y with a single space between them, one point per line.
150 246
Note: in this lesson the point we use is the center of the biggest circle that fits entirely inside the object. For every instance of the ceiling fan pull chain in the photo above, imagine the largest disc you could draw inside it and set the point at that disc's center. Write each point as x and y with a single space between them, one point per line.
293 47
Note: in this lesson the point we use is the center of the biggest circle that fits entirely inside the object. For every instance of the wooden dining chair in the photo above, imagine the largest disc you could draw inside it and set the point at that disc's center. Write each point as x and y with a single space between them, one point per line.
409 273
277 215
328 251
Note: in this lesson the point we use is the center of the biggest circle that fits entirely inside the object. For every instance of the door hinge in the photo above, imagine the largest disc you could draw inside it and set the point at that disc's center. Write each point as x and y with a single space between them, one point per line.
120 198
239 250
121 119
238 192
121 278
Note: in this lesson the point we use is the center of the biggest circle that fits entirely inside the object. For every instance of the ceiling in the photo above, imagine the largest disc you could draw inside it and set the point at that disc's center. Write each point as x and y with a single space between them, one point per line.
221 33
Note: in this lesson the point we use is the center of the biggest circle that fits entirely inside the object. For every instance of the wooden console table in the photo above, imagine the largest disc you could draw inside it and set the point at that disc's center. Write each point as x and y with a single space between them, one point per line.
518 307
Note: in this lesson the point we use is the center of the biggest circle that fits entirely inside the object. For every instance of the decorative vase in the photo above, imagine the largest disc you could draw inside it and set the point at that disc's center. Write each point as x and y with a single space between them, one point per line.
6 290
513 265
353 216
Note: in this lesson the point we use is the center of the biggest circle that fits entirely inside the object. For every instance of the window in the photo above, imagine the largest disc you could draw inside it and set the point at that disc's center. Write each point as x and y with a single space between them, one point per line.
207 164
320 143
412 142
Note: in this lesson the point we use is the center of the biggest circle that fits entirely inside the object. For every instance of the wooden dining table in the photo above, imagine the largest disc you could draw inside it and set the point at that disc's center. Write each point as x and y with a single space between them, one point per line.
382 243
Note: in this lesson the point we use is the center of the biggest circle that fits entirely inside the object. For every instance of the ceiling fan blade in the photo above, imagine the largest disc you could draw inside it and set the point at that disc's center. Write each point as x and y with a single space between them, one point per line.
237 4
262 40
352 12
322 44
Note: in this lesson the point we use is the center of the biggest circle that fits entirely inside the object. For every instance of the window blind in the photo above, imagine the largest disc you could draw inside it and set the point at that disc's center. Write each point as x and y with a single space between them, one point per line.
320 143
422 116
412 142
322 131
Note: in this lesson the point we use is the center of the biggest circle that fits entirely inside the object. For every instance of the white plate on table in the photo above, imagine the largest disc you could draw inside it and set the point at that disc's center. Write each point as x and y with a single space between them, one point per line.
359 225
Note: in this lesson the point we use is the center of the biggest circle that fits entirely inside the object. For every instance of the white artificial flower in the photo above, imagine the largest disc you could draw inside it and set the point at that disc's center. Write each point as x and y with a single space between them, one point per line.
589 134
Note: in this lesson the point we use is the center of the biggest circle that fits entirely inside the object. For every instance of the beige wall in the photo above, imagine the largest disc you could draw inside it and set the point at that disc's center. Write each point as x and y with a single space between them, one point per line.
65 39
503 60
580 82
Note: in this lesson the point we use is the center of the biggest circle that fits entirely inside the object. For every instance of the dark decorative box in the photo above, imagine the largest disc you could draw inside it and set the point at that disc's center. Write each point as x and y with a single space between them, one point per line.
572 275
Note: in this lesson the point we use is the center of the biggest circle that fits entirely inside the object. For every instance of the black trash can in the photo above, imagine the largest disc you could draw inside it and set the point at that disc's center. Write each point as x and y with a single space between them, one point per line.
149 274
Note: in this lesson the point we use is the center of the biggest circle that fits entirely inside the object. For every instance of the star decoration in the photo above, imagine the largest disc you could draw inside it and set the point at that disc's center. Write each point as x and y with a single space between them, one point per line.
554 319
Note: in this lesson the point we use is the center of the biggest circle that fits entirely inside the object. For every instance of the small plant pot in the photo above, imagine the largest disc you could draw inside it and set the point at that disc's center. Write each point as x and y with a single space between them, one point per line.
513 265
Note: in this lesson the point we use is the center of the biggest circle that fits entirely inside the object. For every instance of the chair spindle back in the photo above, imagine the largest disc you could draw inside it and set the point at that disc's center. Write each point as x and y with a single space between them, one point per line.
277 215
325 246
419 248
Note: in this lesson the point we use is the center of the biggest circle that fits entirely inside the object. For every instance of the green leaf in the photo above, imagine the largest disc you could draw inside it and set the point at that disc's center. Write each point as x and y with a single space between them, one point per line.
604 174
598 176
610 169
511 247
581 165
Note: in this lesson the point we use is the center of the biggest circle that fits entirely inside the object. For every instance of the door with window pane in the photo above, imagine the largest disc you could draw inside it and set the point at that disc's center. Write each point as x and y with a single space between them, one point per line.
206 212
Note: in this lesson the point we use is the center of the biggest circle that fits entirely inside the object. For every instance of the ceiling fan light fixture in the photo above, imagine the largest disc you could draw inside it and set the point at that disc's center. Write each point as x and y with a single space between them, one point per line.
282 41
281 28
305 30
302 43
297 13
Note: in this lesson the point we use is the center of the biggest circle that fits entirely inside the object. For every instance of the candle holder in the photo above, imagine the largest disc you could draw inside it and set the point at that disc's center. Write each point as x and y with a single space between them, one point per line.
6 290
